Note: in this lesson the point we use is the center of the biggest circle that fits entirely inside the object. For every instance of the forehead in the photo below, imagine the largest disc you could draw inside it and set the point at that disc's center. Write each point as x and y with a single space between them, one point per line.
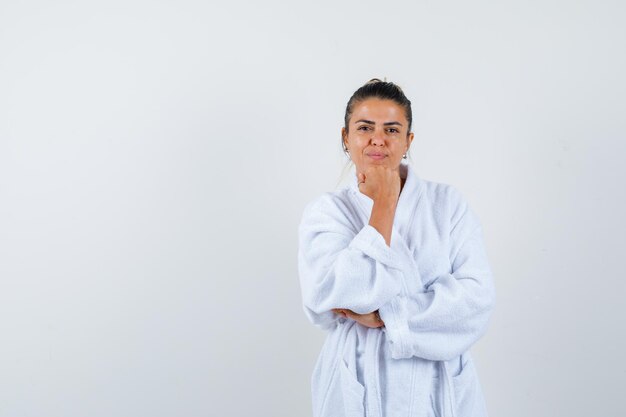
375 109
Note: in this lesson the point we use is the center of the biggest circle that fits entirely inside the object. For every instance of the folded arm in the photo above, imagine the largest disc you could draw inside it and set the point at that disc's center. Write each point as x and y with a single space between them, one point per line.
453 311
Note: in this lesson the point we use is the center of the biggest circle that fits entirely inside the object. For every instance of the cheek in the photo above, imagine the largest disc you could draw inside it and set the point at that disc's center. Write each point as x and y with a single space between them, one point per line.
358 143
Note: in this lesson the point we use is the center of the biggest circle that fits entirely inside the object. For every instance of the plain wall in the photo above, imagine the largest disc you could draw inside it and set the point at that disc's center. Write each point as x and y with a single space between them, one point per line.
155 158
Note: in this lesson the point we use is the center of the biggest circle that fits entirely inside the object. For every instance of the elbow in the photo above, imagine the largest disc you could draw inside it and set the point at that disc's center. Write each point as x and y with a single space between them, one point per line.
485 295
325 320
490 296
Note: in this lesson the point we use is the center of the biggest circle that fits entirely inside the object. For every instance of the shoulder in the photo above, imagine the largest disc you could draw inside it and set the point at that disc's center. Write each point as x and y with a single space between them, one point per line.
443 195
452 205
333 207
328 202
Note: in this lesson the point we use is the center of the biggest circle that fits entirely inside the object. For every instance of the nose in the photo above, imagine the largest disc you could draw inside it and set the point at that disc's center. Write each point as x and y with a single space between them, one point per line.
377 138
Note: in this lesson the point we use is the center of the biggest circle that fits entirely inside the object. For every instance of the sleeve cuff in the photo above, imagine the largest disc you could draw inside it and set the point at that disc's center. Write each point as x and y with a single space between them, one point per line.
372 243
393 314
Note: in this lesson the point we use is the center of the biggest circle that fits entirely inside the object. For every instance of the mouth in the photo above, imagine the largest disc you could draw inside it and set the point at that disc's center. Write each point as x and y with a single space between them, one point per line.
377 156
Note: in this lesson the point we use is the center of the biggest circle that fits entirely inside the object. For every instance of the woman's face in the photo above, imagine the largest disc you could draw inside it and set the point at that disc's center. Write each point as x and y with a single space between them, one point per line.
377 134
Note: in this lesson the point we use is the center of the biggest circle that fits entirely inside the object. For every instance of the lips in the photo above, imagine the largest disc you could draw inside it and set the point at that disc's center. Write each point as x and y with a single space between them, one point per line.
376 156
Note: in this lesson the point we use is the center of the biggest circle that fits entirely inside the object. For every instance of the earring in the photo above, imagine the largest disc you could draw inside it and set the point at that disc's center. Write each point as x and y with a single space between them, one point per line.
404 156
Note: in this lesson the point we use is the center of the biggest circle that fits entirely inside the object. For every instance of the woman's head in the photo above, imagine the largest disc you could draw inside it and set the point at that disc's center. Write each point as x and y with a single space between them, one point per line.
383 90
378 123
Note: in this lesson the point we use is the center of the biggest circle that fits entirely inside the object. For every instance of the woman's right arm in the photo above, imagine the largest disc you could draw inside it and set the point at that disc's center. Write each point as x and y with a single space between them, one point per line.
341 267
382 185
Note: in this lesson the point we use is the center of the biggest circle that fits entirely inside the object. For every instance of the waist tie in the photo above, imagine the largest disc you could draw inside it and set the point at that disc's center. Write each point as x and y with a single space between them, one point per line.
371 366
447 399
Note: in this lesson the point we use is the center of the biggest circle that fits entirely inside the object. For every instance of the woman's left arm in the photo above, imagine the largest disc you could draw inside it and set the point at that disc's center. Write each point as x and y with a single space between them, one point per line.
453 311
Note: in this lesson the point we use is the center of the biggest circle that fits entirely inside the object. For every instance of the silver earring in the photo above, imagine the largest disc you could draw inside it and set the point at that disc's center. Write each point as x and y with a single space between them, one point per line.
404 156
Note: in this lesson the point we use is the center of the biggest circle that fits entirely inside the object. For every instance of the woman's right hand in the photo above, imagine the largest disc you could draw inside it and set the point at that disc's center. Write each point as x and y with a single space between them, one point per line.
372 319
380 183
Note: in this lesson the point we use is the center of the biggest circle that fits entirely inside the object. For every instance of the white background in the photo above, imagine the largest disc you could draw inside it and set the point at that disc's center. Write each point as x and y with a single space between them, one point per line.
155 158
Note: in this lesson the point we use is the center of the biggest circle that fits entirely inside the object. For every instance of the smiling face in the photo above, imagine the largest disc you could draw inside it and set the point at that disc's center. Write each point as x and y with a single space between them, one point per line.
377 134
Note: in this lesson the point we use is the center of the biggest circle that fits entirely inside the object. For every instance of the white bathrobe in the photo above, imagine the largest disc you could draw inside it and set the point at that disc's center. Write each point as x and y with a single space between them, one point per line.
434 291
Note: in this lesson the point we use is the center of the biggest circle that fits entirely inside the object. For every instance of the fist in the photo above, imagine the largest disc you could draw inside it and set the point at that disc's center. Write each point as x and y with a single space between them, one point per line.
380 182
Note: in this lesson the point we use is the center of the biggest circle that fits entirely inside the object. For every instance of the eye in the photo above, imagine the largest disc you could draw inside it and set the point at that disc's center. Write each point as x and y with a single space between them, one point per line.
393 130
363 127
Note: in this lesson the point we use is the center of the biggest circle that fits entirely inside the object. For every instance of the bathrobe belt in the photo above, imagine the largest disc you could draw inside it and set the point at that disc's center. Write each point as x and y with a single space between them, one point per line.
372 380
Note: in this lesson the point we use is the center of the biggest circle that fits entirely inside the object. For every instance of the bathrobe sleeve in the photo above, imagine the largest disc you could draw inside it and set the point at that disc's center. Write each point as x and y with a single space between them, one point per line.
452 312
341 266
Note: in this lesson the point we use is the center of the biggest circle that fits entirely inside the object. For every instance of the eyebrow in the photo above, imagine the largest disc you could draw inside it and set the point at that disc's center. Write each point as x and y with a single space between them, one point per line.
369 122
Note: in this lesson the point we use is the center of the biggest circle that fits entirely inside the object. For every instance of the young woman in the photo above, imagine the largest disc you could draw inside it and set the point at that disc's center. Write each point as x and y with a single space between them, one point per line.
394 268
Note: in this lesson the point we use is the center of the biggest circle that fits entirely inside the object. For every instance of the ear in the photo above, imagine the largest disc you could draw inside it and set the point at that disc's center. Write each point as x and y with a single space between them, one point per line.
344 137
409 140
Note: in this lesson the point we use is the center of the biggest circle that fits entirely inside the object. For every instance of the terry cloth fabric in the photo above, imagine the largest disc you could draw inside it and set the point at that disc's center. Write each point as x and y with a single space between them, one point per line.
433 289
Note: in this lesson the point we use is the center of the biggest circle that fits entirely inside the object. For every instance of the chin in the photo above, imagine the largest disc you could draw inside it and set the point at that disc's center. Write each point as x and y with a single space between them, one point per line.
383 161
